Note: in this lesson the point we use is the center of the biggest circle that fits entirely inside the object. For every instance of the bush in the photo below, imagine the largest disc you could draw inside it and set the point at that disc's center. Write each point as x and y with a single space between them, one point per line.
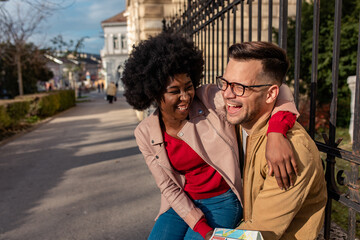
67 100
5 120
56 102
18 110
32 107
48 105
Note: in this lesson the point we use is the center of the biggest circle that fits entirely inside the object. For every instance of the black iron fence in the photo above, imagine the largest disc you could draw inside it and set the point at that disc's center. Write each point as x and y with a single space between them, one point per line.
215 25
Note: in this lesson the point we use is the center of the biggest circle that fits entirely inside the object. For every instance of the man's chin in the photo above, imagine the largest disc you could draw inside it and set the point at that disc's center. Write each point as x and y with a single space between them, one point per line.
233 120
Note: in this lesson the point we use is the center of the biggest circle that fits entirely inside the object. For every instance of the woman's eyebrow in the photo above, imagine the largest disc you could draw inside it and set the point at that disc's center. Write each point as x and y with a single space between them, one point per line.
172 87
188 83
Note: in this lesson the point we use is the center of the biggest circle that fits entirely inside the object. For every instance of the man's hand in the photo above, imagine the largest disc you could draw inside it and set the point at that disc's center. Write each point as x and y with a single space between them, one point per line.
281 161
208 235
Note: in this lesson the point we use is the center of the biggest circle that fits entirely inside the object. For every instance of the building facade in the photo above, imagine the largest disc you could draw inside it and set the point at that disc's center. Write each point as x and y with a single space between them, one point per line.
144 17
115 50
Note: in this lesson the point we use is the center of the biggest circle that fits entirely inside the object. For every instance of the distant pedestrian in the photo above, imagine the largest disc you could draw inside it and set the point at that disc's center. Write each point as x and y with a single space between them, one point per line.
98 87
102 87
111 92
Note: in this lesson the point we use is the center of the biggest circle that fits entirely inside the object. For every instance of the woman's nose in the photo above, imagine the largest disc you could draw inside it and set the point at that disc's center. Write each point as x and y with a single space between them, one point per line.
184 96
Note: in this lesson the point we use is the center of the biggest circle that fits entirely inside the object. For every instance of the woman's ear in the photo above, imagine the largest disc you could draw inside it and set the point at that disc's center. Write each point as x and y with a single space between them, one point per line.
272 94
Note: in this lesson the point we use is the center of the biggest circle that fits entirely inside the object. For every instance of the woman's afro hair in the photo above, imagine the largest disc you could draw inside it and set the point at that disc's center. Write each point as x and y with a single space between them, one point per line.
153 62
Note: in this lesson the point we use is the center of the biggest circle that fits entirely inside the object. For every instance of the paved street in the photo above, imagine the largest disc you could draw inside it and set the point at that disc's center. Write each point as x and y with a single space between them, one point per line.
78 176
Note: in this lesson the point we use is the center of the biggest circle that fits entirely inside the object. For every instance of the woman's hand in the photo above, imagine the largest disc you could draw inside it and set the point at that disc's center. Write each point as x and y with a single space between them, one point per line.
208 235
281 161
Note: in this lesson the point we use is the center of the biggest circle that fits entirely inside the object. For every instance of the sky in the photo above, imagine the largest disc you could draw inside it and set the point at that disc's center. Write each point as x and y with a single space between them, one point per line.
80 18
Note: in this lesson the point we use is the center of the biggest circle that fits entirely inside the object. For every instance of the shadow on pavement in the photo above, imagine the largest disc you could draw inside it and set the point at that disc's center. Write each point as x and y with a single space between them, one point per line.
80 175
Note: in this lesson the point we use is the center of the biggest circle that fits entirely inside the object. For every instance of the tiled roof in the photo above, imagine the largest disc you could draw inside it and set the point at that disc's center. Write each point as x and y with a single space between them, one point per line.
117 18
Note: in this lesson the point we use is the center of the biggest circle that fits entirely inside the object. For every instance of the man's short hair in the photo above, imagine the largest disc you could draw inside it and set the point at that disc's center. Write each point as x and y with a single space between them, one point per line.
273 58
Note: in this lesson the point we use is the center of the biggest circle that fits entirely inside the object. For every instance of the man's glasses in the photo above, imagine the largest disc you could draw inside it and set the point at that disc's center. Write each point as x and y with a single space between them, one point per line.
237 88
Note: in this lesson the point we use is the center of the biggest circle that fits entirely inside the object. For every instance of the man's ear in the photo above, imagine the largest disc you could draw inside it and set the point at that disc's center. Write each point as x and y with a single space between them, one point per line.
272 94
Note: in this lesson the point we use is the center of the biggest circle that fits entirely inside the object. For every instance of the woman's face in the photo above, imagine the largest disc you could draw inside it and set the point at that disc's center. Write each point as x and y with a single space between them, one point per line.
176 100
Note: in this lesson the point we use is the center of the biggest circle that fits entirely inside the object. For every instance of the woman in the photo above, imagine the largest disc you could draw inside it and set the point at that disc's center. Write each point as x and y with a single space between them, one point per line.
188 146
111 92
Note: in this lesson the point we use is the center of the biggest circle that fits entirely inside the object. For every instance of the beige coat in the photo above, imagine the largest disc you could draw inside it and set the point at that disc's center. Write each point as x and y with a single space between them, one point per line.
297 213
111 89
209 135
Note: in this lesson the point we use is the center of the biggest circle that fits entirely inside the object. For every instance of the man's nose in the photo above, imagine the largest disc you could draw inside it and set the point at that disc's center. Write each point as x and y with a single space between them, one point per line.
228 93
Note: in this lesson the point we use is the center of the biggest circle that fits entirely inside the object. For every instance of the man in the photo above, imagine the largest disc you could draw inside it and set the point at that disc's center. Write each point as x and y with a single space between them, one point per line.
250 86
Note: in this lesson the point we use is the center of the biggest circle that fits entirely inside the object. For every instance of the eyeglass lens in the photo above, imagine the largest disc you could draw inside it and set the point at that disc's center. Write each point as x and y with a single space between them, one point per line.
235 88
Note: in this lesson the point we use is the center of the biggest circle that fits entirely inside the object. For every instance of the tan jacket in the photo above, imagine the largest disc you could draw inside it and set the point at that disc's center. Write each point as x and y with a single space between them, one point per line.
209 134
297 213
111 90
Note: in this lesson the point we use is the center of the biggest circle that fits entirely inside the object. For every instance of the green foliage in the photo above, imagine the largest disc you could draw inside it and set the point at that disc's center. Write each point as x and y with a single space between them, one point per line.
33 70
67 100
55 102
32 119
5 120
18 110
31 109
348 52
49 105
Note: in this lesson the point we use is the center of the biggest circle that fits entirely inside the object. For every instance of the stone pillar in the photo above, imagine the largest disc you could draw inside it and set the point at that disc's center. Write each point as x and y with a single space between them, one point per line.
106 44
351 81
111 43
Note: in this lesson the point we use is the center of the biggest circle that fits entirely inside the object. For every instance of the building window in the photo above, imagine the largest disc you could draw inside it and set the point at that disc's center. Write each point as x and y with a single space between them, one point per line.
123 42
116 42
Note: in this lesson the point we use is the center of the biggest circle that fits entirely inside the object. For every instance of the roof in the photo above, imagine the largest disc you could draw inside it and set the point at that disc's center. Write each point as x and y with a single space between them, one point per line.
117 18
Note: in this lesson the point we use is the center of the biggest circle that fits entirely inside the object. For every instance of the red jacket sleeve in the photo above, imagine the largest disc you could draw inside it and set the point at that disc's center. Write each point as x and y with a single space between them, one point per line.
281 122
202 227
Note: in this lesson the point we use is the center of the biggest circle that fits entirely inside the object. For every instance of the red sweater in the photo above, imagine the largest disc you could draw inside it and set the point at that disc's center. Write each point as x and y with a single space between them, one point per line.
202 180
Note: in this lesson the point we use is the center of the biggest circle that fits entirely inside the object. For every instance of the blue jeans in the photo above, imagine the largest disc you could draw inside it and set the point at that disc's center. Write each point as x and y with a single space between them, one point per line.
223 211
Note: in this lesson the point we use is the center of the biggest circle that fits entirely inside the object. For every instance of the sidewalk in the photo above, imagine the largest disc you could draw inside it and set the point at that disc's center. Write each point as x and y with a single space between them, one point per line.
78 176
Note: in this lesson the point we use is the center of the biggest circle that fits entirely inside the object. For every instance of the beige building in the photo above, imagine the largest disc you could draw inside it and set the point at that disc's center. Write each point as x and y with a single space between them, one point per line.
144 17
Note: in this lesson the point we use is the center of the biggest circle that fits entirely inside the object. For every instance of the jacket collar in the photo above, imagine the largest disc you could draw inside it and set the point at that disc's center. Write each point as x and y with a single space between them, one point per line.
259 128
153 122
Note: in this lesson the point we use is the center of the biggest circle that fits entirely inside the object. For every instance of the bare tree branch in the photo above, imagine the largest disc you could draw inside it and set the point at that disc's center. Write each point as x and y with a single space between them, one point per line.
20 20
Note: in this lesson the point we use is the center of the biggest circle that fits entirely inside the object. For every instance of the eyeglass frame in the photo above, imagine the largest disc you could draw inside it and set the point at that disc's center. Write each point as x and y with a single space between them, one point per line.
239 84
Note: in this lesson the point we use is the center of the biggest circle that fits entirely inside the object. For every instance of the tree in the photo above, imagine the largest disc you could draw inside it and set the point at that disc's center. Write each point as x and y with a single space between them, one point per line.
19 21
33 67
348 51
64 48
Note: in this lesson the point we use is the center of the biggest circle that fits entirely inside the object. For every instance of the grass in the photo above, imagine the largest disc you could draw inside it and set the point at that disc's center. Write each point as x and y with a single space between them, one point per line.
32 119
83 98
340 212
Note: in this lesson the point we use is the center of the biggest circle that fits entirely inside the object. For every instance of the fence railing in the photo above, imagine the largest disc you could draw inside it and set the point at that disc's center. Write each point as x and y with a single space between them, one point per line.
215 25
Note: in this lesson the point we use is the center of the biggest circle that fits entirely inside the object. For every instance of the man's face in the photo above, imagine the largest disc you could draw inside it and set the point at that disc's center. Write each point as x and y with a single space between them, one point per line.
246 109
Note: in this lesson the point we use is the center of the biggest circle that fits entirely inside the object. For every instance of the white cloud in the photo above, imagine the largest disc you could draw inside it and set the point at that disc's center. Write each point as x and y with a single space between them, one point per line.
80 19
